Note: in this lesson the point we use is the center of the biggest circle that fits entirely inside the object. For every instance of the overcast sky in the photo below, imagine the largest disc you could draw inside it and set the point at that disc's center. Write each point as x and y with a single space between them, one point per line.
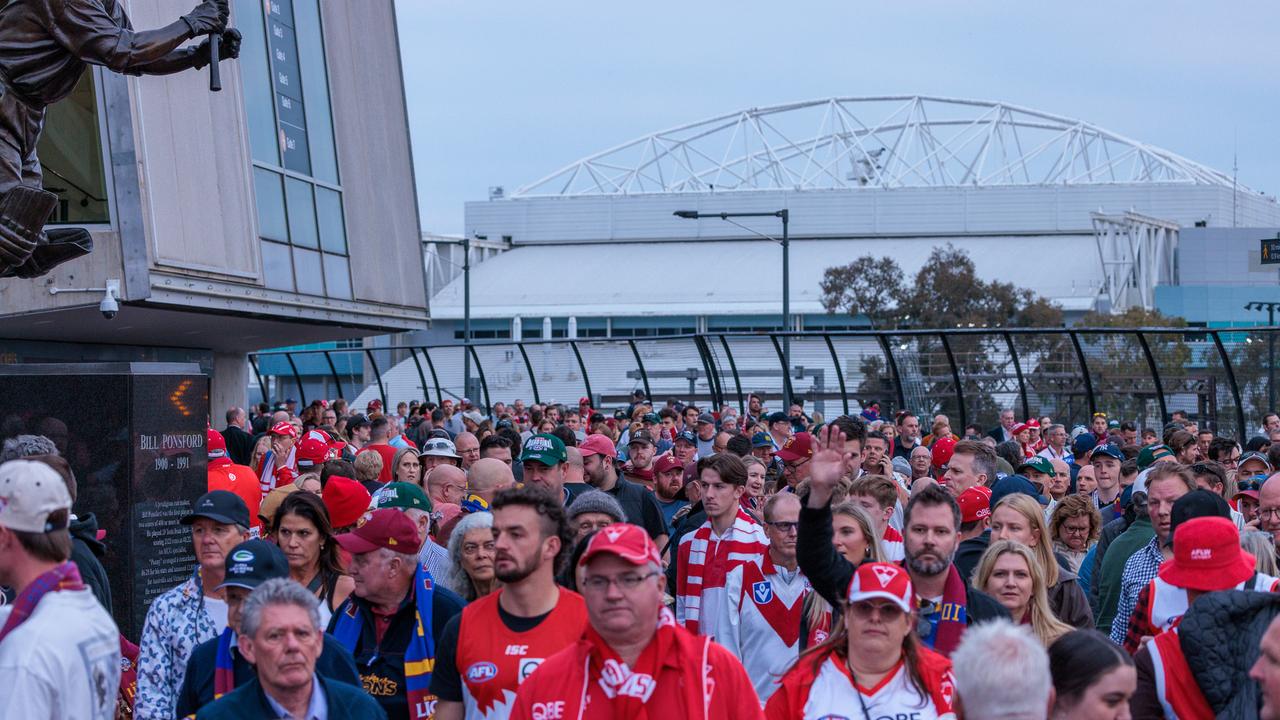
502 93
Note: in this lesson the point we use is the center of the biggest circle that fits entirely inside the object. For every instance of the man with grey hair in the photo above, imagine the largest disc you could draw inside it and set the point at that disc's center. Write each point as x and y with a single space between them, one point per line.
22 446
280 634
394 595
1055 440
414 503
1002 673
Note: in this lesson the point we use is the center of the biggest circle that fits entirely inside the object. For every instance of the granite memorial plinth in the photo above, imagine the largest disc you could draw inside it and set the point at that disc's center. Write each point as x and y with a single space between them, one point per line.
134 435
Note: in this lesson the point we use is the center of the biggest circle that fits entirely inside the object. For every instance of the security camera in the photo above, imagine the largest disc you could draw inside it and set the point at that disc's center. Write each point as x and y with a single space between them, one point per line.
109 307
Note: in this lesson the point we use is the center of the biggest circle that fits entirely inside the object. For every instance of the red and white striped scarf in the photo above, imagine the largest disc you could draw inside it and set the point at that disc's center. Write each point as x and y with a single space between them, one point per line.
703 564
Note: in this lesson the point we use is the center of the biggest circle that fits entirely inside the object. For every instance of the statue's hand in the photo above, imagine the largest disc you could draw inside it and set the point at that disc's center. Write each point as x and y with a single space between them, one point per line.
228 49
207 18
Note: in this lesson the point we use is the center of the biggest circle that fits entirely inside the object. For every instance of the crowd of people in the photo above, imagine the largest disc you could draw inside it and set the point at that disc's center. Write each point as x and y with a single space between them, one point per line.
547 562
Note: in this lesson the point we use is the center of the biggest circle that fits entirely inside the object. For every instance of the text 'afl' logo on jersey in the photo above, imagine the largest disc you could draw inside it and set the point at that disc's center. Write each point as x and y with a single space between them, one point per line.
482 672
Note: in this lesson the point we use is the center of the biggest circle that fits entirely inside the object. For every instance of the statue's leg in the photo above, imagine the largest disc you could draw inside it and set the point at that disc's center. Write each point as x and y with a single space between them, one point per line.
24 206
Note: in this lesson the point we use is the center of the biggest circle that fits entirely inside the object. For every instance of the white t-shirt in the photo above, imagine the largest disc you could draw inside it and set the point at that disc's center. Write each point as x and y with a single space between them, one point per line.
833 694
63 662
217 610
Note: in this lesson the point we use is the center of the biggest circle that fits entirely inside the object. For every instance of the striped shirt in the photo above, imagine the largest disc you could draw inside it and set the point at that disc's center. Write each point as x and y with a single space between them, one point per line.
704 562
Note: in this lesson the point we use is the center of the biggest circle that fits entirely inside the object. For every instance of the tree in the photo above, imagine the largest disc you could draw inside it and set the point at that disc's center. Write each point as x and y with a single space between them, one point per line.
945 293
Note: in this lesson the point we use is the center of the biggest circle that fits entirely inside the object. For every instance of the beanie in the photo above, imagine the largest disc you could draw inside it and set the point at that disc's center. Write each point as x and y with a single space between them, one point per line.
596 501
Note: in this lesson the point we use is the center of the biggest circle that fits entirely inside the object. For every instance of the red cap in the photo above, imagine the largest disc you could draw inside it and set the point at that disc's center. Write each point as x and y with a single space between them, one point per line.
666 463
584 401
1207 556
797 447
1032 423
1019 428
942 451
386 528
373 406
881 580
346 500
597 444
311 452
629 542
975 503
283 428
215 444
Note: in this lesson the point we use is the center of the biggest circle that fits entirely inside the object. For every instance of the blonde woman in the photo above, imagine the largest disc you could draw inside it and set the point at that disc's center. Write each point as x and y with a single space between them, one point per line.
1010 572
1020 518
853 535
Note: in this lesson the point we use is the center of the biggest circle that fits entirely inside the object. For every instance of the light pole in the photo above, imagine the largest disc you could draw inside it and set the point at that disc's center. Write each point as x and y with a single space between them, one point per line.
465 242
1270 307
785 216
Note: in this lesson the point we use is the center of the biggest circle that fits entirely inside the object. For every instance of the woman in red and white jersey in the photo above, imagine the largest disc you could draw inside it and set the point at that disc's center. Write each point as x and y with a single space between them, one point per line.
874 666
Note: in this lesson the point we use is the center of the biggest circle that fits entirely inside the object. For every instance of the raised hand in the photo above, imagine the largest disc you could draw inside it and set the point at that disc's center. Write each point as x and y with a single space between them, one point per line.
827 465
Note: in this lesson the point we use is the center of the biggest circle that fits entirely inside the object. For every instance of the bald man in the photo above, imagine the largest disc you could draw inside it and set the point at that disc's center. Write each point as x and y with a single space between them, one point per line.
446 484
468 447
1269 507
487 477
573 472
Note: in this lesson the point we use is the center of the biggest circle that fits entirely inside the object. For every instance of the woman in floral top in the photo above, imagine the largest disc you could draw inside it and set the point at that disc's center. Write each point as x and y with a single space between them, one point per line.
192 612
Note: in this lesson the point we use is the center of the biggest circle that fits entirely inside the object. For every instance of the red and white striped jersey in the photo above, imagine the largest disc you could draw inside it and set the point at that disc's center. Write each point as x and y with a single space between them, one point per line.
704 561
761 623
891 542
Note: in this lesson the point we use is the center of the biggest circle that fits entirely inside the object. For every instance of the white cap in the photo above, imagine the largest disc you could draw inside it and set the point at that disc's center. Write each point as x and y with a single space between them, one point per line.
29 492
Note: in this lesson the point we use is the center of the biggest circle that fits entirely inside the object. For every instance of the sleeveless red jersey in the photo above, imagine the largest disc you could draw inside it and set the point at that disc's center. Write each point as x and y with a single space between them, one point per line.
493 660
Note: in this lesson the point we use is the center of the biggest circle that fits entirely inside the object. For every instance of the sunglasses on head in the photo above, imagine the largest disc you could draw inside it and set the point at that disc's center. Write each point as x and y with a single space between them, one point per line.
1250 484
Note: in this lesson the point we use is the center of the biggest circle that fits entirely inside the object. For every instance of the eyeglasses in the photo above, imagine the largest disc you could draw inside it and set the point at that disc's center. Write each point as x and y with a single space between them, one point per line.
1269 513
794 464
1075 530
1099 415
886 610
1231 461
785 528
626 583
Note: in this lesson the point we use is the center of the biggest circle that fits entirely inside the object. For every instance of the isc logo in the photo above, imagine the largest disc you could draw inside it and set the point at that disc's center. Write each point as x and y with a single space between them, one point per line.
482 672
517 649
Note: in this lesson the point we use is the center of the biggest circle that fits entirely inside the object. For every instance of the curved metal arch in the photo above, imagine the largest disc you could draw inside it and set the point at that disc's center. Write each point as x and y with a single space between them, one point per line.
879 141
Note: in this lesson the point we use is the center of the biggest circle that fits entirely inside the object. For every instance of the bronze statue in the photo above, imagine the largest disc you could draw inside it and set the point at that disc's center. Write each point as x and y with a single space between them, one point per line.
45 46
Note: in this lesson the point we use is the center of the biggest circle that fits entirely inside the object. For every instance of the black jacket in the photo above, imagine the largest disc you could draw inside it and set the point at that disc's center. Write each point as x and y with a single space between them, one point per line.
239 444
86 551
690 522
829 572
248 701
969 552
334 663
381 665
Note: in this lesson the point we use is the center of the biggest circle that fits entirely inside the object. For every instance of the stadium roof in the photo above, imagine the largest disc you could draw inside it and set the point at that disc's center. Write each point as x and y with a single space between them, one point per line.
740 277
872 142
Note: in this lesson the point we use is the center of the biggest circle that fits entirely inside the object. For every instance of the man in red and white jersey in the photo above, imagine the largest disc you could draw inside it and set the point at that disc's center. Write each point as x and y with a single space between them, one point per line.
278 463
872 667
728 538
1207 557
633 661
764 601
878 495
500 640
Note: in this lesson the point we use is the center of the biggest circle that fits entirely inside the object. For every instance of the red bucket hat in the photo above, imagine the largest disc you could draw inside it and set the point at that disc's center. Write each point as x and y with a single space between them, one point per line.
1207 556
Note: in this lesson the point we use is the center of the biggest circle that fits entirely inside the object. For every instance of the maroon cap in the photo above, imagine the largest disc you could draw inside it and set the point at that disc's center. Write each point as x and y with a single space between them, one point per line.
797 447
667 463
386 528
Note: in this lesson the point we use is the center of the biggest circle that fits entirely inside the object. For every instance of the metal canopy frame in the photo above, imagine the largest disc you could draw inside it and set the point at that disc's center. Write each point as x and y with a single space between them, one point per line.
892 141
1076 373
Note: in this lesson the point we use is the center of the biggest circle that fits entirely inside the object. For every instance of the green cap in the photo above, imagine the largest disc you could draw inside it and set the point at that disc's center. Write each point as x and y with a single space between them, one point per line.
545 448
401 495
1038 463
1151 453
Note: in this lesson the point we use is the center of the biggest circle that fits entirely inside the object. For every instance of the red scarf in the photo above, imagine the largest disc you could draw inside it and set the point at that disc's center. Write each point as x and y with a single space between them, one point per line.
629 688
62 577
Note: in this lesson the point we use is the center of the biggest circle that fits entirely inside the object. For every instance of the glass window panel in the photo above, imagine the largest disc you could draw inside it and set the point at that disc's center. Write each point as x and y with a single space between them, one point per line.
257 82
337 276
71 152
270 199
333 233
306 266
302 213
315 90
293 143
276 266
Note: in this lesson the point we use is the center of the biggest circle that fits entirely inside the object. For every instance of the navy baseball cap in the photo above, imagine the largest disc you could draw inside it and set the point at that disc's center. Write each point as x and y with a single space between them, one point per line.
761 439
687 437
221 506
1083 443
1110 450
254 562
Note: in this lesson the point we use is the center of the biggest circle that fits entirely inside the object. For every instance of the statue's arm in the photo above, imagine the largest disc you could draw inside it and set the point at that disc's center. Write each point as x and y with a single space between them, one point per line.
88 30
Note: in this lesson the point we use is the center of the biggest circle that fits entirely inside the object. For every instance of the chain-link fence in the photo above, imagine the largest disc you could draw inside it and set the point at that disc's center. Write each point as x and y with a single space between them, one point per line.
1221 378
